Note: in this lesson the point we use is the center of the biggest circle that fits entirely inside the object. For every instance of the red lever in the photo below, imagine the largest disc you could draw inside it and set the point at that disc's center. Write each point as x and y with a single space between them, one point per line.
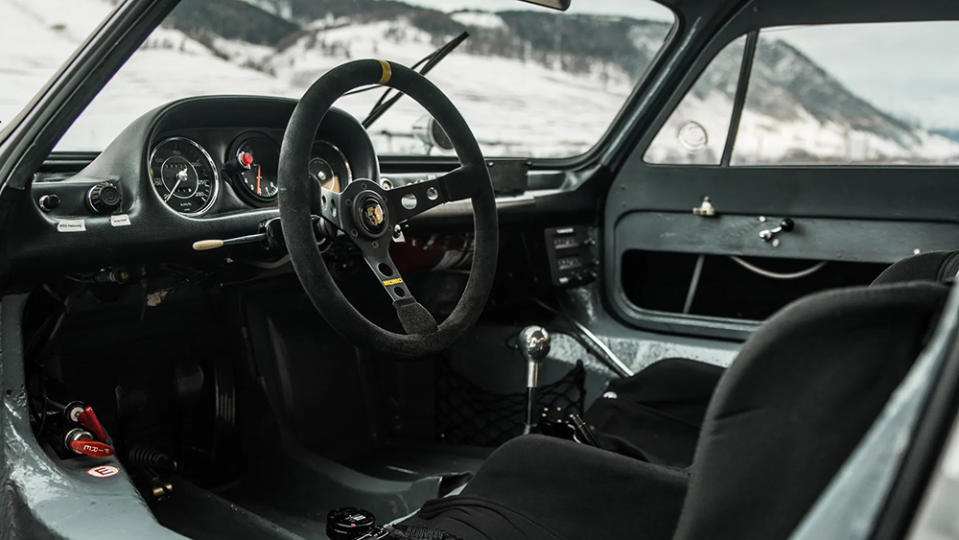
89 420
95 449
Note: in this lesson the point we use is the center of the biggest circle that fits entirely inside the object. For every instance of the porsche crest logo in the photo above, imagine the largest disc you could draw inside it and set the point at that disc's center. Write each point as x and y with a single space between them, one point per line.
374 215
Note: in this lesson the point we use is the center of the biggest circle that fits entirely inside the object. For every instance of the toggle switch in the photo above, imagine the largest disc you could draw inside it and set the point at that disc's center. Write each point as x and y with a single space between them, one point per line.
89 420
81 441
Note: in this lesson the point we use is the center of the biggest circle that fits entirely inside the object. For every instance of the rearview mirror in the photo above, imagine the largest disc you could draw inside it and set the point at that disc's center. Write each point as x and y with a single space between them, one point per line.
561 5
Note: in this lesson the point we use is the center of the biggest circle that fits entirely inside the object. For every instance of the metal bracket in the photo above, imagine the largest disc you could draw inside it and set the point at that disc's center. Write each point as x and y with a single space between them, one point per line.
705 208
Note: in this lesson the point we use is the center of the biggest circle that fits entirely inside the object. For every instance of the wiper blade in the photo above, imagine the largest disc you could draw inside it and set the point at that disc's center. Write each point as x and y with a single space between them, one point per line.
382 105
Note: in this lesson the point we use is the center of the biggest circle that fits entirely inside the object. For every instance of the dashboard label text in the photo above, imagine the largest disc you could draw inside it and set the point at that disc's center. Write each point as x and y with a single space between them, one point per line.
71 225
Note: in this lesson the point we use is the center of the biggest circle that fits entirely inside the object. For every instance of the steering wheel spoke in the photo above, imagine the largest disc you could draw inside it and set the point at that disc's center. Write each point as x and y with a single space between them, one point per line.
415 318
330 207
414 199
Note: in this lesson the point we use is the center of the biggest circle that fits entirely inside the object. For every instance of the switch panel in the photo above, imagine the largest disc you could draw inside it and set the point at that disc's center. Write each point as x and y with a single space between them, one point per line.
571 252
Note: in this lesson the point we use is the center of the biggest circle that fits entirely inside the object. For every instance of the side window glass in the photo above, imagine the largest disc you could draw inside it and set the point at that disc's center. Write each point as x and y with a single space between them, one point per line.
878 93
696 131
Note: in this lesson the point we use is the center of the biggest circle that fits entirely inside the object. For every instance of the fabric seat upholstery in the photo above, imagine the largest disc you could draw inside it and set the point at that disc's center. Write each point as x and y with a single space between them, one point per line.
801 394
642 421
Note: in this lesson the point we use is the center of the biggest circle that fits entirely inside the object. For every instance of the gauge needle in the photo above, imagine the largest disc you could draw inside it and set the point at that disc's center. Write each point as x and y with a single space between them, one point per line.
173 189
258 177
180 176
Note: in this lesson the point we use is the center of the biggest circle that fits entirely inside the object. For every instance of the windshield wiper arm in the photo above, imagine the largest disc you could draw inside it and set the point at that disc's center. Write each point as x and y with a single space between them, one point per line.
383 104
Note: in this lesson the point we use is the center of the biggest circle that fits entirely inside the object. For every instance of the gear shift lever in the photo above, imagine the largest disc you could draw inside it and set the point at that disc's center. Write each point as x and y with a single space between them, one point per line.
534 344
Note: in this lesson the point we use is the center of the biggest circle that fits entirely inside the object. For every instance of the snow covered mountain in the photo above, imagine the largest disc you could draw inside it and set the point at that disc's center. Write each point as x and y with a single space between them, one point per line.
528 82
795 112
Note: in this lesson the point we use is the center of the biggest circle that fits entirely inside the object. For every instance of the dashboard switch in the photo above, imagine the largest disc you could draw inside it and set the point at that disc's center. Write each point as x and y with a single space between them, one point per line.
104 198
49 202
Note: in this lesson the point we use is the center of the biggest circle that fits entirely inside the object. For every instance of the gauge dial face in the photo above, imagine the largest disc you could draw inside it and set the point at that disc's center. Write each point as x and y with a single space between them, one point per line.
256 158
329 167
183 175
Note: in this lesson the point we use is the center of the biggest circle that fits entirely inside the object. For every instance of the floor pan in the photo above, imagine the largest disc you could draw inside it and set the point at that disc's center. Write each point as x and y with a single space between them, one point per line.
288 496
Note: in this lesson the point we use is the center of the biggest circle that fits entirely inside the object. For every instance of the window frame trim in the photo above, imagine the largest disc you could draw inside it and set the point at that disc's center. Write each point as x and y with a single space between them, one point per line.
739 100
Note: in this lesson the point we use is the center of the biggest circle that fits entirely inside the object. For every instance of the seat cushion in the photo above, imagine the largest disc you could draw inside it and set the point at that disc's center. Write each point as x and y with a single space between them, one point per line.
656 414
543 488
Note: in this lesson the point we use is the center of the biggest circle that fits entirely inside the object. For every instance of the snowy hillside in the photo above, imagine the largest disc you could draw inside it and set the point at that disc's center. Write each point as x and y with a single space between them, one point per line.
528 82
795 112
511 105
35 39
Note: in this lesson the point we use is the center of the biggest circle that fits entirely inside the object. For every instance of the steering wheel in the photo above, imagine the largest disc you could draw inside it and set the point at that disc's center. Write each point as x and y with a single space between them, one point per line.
367 214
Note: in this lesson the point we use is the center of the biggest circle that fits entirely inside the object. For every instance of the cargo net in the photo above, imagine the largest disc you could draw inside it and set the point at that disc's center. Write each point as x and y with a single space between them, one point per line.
468 414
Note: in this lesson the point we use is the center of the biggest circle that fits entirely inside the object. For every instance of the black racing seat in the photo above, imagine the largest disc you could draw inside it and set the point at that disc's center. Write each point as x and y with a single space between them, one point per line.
656 414
801 394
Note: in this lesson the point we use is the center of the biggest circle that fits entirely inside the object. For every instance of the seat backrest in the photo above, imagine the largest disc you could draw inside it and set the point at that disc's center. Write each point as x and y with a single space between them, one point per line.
792 407
932 266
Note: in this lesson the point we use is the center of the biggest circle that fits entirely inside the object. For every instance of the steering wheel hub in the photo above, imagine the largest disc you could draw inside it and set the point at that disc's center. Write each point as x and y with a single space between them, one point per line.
371 214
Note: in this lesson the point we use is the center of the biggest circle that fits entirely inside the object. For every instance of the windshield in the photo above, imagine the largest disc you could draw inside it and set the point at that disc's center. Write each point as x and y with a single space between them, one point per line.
36 38
531 82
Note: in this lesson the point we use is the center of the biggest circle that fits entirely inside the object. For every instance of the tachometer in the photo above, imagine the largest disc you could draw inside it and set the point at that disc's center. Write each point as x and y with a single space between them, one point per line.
253 163
184 175
329 166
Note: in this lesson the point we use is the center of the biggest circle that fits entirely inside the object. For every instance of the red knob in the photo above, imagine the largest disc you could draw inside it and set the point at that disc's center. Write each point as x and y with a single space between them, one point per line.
89 420
246 159
95 449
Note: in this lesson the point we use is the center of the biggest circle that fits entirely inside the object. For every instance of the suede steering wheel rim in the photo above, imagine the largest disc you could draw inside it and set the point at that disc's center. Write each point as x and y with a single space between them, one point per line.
367 214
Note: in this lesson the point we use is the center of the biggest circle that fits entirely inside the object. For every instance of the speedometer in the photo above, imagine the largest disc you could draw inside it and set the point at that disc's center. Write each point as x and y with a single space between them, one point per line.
184 175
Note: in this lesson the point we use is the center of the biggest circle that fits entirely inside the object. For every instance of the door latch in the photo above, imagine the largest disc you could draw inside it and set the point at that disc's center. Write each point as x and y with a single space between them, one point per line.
769 235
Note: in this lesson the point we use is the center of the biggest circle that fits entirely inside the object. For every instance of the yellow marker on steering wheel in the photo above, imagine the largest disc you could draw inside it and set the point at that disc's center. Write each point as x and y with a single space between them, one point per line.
387 72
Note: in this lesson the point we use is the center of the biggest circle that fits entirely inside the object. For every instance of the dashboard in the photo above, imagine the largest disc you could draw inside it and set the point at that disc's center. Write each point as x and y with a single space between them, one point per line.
204 168
198 168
